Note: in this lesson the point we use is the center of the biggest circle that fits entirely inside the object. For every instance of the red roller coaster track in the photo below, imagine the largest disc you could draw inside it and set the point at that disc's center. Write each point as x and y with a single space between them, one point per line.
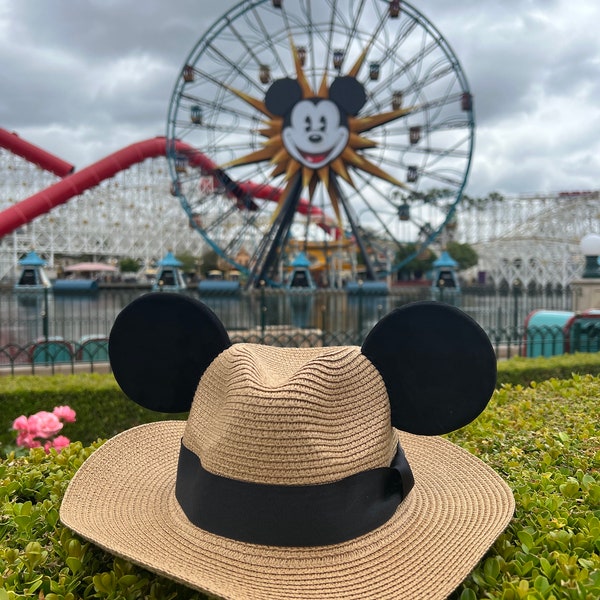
34 154
75 183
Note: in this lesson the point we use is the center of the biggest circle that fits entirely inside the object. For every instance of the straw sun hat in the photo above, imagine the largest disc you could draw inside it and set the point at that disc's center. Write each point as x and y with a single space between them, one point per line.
301 473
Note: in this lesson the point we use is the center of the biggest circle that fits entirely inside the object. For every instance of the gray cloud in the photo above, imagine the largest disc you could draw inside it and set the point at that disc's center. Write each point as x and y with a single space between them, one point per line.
83 79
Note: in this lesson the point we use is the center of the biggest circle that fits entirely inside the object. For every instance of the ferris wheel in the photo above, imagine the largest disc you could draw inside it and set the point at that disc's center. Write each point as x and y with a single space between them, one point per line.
341 123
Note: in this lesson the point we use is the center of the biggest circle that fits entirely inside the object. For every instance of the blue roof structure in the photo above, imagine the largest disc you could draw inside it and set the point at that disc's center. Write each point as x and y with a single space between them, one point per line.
169 276
300 278
32 260
445 260
169 261
301 261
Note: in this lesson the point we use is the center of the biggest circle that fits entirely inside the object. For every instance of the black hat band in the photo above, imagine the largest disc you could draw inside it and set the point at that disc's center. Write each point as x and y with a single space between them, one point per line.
291 515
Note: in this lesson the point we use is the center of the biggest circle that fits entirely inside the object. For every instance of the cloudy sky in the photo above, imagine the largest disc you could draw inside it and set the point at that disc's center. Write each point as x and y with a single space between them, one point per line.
83 79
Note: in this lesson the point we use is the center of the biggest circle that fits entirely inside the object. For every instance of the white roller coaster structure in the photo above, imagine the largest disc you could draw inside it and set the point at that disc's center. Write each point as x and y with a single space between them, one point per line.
529 238
532 239
130 215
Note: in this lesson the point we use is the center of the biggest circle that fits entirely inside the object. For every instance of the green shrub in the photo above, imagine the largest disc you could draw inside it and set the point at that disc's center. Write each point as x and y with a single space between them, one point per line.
103 410
545 441
520 370
39 558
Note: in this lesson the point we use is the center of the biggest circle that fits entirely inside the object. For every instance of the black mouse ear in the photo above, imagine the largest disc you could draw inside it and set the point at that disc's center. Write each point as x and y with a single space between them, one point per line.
159 347
438 366
282 96
348 93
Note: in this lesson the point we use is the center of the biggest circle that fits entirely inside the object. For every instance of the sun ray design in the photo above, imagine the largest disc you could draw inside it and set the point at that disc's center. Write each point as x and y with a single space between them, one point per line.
316 168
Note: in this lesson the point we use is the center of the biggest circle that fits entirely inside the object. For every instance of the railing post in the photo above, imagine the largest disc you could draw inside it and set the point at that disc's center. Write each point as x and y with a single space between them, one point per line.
45 316
516 294
263 311
360 312
45 325
576 344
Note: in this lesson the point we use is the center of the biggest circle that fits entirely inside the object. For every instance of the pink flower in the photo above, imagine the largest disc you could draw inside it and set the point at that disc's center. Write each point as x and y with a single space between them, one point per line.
60 442
20 423
65 413
43 427
26 440
44 424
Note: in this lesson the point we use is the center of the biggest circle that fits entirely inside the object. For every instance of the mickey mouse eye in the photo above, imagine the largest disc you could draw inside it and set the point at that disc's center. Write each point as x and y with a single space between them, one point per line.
308 122
323 122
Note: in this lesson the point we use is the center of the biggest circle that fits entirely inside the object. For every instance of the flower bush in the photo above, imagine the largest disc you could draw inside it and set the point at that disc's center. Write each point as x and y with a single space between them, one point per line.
41 429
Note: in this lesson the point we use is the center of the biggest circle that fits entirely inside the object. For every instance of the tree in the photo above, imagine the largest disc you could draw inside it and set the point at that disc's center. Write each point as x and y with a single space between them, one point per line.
210 261
129 265
419 265
463 254
188 262
482 203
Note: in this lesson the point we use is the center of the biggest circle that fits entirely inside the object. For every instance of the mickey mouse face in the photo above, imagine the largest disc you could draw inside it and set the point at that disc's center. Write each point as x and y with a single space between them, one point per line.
315 136
315 130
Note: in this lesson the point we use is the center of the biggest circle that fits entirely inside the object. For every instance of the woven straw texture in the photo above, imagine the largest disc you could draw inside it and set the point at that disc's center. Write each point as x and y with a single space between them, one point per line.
291 416
297 417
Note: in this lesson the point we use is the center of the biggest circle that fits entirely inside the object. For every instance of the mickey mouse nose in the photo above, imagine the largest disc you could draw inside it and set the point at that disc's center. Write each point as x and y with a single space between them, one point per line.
315 138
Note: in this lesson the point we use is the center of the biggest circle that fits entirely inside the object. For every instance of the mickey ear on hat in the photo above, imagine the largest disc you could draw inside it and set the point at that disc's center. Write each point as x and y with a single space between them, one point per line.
159 347
438 366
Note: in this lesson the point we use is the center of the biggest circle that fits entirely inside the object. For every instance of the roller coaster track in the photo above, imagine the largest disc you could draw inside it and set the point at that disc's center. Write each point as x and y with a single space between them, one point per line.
74 184
34 154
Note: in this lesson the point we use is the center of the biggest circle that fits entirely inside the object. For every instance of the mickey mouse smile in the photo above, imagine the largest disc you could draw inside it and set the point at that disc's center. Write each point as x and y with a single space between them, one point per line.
313 158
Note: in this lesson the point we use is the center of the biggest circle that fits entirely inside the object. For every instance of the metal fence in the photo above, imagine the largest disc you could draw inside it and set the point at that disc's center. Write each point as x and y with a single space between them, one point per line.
47 332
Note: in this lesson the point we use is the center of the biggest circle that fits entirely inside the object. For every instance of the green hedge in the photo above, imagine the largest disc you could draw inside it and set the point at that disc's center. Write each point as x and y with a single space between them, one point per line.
523 371
102 408
545 441
543 438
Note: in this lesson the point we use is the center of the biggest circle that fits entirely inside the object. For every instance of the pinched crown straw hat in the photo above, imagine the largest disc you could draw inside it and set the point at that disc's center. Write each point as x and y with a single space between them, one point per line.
301 473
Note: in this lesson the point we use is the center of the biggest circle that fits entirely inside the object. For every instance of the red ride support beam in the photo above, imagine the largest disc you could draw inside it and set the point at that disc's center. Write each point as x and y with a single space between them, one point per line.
77 183
25 211
34 154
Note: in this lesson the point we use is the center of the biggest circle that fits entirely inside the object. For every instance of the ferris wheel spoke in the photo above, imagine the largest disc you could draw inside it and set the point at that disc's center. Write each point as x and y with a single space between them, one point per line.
415 61
356 232
374 210
310 30
271 246
234 67
248 230
444 179
389 52
438 102
222 218
264 35
454 152
352 30
418 85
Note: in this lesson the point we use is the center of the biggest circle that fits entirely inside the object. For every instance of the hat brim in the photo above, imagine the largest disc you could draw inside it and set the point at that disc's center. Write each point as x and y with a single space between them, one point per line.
122 499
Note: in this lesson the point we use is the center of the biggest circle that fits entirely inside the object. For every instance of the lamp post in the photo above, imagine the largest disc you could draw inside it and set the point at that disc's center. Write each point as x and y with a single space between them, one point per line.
590 248
586 289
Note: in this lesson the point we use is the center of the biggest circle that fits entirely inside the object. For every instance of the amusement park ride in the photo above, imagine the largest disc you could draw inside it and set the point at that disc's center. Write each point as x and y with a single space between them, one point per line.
344 109
340 130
